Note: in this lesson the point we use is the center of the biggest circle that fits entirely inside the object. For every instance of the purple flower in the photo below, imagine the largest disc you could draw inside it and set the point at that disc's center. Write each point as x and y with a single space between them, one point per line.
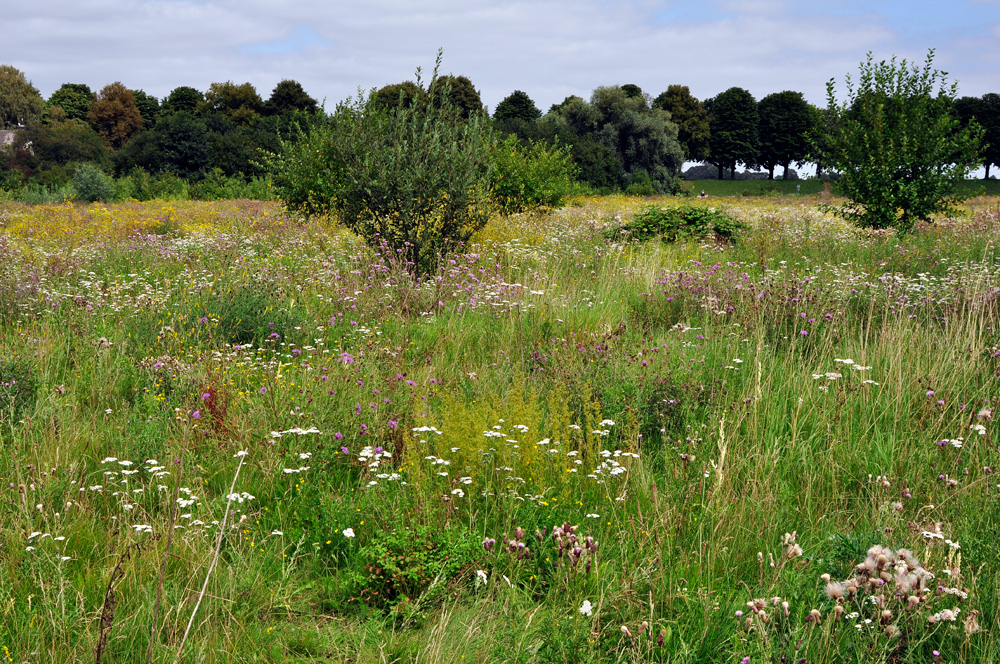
393 424
263 390
345 450
203 319
296 352
206 396
196 415
338 436
804 333
274 335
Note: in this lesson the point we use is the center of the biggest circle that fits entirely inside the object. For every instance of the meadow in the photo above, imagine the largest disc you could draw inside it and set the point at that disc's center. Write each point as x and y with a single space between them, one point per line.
233 435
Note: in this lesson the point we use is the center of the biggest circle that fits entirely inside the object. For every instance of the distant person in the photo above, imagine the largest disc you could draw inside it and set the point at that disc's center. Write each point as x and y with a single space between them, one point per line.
703 194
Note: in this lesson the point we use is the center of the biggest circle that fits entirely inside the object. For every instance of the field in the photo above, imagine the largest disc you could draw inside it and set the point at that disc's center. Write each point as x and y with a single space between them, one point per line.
232 435
795 188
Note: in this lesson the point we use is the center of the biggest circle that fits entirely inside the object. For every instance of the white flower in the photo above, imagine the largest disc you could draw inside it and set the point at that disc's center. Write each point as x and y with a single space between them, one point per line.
142 528
241 453
978 428
277 532
348 532
585 608
481 578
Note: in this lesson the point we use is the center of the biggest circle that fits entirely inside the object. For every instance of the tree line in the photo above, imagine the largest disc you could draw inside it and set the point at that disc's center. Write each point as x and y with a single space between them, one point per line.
620 139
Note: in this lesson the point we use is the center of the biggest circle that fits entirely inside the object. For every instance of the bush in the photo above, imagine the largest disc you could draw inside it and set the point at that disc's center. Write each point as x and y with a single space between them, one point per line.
680 223
414 178
530 175
403 569
92 184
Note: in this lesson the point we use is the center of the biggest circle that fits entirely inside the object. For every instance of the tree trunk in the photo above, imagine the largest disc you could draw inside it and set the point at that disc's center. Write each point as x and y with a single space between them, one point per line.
784 176
987 175
721 171
770 172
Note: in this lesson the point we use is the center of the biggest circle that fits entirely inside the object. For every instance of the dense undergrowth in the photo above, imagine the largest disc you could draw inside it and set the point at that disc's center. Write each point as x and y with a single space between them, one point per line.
562 446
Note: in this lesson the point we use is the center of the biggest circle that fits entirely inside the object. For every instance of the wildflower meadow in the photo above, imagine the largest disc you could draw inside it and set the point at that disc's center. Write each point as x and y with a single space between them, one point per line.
230 434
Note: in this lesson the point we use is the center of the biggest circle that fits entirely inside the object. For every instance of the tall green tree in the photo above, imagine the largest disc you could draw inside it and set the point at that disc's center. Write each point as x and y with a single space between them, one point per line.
289 96
786 121
114 115
20 103
149 107
183 99
460 92
74 99
897 143
178 144
691 119
238 102
517 106
733 121
989 119
398 95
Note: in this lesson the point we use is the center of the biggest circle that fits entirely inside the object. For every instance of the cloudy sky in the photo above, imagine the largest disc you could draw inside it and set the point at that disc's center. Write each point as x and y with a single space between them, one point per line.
547 48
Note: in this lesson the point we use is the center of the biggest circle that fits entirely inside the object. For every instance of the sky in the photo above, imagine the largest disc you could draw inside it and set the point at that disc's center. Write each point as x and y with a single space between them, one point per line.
547 48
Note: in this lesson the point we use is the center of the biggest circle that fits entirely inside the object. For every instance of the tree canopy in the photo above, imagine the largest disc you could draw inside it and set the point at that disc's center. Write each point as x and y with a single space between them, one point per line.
114 115
74 99
238 102
691 119
897 143
733 123
785 122
20 102
517 106
289 96
183 99
462 95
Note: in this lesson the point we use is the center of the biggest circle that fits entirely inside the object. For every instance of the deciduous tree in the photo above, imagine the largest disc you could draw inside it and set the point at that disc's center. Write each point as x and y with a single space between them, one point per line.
691 119
240 103
289 96
20 103
74 99
183 99
897 143
785 123
462 95
733 123
114 115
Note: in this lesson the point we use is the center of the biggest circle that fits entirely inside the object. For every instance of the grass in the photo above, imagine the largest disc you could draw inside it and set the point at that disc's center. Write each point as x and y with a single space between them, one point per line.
562 447
780 188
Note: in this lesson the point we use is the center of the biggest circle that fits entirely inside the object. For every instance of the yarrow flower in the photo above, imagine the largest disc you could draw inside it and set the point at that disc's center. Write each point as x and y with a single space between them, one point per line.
348 532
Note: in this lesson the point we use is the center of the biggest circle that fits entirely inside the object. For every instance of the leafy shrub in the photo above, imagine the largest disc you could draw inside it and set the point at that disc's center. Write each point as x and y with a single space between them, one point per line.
247 314
406 566
18 388
92 184
415 178
683 222
142 186
530 175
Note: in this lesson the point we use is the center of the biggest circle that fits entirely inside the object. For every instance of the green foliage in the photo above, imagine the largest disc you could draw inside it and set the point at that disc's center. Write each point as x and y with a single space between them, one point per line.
458 93
691 119
397 95
218 186
733 123
240 103
74 99
42 147
615 138
530 175
141 186
898 145
18 388
517 106
684 222
289 96
149 107
786 121
184 99
178 144
245 314
407 569
20 103
416 179
92 184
